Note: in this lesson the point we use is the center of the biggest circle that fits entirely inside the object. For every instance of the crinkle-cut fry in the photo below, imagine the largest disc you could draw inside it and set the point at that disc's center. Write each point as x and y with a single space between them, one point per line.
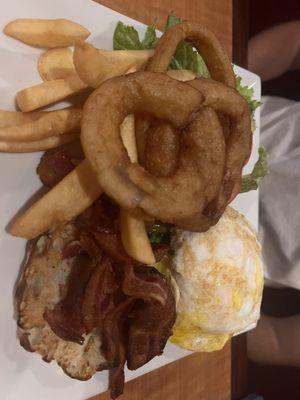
56 64
43 125
71 196
46 93
94 66
36 145
133 231
46 33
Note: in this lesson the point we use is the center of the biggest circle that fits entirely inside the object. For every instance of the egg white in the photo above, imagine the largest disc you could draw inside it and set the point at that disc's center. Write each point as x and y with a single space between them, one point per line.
220 277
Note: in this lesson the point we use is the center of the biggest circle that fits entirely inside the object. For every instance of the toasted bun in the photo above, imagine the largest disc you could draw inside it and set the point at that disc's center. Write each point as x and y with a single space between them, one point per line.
40 287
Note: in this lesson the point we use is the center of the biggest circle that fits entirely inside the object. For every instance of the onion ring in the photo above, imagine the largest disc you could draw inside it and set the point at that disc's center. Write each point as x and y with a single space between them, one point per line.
160 159
130 185
161 149
219 67
205 43
157 142
230 105
226 101
231 108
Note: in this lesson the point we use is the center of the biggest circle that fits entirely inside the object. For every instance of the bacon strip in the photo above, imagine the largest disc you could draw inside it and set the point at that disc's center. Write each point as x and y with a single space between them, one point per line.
113 345
150 324
55 164
148 327
66 319
102 217
133 308
112 245
148 290
98 301
72 249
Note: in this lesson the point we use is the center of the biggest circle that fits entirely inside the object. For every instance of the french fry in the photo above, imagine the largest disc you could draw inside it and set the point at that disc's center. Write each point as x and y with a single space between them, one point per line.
56 64
36 145
70 197
46 33
133 232
44 125
135 239
49 92
78 190
12 118
95 65
128 137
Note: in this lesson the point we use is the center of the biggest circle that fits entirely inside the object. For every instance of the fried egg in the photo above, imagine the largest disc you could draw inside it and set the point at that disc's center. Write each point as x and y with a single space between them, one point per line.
220 277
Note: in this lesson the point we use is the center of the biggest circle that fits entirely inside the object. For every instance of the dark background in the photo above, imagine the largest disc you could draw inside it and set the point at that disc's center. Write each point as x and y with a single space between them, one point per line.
262 15
274 382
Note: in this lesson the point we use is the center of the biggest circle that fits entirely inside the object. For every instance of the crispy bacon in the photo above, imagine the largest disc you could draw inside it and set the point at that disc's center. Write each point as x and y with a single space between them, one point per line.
65 319
132 307
101 217
149 289
113 345
72 249
137 330
89 245
98 299
117 377
101 221
113 330
112 245
150 324
55 164
160 251
86 243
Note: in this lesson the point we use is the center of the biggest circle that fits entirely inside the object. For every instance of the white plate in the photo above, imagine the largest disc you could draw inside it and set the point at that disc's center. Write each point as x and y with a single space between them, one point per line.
23 375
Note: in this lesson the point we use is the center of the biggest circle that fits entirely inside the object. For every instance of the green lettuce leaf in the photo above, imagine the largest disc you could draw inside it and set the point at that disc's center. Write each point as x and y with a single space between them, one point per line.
158 232
185 57
252 180
126 37
172 20
150 38
248 93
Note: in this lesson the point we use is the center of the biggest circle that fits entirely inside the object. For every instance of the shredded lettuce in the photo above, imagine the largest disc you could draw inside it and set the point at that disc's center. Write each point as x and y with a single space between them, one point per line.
252 180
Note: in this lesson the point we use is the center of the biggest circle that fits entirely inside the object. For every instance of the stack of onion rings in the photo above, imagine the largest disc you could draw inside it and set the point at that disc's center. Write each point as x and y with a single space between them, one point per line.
190 183
232 110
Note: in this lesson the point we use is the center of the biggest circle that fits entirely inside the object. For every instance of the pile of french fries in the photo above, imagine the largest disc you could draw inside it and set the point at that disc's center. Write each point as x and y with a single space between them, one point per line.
67 71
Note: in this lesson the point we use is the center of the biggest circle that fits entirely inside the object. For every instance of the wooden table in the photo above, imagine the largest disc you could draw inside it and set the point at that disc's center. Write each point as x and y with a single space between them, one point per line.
205 376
